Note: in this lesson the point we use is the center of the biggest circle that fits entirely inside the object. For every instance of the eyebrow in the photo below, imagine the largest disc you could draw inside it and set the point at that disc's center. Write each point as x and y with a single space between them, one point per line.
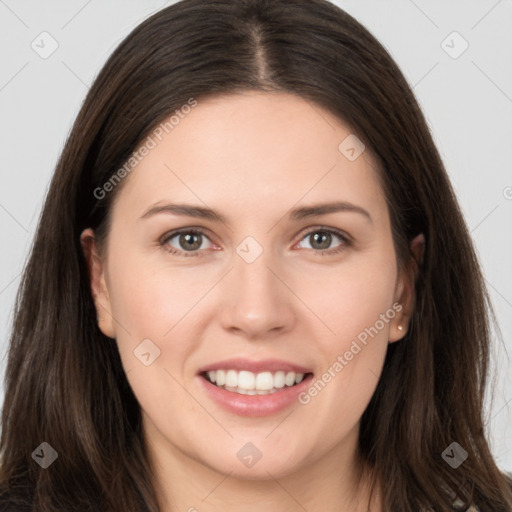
300 213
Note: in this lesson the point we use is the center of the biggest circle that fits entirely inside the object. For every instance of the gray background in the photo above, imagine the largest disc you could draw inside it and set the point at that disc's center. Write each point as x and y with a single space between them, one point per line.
467 101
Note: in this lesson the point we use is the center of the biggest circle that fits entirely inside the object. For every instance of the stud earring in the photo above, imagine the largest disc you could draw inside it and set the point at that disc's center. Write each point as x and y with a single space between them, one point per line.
400 328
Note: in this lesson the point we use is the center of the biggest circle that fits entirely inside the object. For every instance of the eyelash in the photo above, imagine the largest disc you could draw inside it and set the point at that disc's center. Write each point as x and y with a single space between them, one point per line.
345 239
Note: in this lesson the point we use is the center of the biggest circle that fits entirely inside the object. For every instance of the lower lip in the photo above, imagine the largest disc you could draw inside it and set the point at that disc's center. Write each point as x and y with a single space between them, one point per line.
255 405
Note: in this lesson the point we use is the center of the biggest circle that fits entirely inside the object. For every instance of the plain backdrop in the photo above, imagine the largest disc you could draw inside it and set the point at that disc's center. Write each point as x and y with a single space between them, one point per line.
456 55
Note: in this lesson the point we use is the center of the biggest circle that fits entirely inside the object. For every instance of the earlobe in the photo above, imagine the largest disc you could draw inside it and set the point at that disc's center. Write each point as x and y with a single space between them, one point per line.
405 290
97 279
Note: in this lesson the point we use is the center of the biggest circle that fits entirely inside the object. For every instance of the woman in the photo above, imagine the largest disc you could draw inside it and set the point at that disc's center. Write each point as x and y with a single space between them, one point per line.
164 362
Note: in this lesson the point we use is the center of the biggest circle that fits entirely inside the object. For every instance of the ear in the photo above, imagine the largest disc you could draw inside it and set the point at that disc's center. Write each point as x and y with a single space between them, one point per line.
404 292
98 282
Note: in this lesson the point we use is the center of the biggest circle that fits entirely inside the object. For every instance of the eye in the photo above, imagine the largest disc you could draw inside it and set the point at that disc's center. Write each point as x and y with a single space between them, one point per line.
191 240
322 239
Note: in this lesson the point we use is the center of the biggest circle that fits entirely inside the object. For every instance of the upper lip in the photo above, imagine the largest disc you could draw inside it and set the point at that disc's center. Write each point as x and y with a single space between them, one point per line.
238 363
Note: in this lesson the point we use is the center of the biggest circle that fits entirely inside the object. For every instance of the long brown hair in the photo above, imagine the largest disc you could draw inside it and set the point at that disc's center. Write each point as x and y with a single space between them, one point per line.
64 382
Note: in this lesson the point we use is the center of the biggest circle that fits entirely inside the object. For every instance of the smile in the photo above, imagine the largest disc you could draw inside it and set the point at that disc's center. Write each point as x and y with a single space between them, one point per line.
250 383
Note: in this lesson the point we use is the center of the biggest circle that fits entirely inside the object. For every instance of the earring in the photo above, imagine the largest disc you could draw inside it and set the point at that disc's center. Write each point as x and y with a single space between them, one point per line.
400 327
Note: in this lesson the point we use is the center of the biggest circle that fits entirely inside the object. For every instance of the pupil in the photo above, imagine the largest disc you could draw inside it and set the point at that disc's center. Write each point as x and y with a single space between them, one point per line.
326 237
187 238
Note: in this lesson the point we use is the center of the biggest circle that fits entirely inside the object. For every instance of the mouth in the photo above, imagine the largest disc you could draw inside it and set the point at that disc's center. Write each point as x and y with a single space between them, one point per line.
250 383
251 388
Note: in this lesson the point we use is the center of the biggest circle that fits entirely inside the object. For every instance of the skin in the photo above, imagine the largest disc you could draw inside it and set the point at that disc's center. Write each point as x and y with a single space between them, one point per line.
253 157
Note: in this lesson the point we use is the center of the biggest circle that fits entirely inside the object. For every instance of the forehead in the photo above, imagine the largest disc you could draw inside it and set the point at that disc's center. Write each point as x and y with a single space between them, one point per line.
257 152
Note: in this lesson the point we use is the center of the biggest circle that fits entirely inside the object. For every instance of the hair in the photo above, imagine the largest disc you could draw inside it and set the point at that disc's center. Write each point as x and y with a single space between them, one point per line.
64 380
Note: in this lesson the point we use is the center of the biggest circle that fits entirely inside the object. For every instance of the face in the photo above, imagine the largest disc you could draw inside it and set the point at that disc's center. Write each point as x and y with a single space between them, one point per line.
273 294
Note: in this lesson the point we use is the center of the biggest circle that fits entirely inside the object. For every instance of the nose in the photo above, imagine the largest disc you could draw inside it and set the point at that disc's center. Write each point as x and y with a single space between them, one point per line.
256 299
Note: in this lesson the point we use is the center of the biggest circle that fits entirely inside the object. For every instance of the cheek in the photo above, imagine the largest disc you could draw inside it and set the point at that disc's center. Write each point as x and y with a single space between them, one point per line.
352 298
356 304
152 298
153 304
160 304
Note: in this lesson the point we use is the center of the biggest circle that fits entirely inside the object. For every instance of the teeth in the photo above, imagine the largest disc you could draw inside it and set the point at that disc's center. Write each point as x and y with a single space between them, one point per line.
219 377
289 380
279 380
246 380
231 379
264 381
249 383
